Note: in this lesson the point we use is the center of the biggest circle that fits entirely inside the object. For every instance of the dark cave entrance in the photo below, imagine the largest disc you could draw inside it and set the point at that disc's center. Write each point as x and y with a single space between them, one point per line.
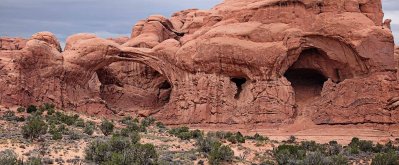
165 89
132 86
307 83
239 82
306 77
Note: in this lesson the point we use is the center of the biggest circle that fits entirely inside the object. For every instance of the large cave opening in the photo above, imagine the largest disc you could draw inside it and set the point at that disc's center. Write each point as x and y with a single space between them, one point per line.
307 83
307 74
132 86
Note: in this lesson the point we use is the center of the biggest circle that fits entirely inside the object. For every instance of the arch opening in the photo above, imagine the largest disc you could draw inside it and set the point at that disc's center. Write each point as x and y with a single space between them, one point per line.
133 87
239 82
309 73
307 83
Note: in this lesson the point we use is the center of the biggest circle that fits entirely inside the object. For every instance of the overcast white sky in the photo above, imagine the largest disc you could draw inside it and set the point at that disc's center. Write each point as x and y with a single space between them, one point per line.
104 17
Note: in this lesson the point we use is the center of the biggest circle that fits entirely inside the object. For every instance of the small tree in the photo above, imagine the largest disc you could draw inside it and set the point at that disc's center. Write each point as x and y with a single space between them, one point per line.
107 127
34 128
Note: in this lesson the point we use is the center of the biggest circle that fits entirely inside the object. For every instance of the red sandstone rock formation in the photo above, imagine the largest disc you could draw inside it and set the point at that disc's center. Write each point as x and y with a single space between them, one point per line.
244 62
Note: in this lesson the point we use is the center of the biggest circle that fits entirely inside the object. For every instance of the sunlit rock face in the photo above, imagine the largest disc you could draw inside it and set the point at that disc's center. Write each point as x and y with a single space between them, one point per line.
242 63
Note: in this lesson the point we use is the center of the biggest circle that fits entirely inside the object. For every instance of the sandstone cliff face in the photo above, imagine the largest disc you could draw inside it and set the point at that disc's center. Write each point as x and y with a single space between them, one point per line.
257 62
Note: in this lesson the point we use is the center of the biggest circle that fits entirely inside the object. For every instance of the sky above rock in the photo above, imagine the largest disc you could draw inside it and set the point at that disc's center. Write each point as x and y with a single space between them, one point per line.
105 18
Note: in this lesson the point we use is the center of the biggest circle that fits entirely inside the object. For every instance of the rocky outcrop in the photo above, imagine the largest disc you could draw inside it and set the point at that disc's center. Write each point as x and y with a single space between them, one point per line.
242 63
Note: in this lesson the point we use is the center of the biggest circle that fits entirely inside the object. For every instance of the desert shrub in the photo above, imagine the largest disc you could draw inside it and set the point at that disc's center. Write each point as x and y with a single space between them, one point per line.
97 151
31 109
50 111
285 153
135 137
126 120
333 148
316 158
119 150
119 143
205 144
80 123
141 154
291 139
357 145
313 146
220 153
384 148
259 137
20 109
133 126
267 162
390 158
124 132
147 121
89 128
48 106
339 160
160 125
185 134
34 161
9 157
66 119
56 136
34 128
176 131
9 115
73 135
107 127
196 134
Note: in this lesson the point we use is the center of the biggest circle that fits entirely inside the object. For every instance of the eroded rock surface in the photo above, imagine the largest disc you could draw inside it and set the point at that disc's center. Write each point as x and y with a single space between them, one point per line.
244 62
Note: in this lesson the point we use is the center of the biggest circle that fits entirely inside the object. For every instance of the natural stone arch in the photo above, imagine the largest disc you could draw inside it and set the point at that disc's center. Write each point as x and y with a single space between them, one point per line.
343 54
314 59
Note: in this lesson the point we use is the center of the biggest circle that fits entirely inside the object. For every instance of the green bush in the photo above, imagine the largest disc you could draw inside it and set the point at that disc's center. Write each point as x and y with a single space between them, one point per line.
80 123
119 150
160 125
31 109
34 128
89 128
73 135
126 120
196 134
147 121
260 137
56 136
9 157
356 145
141 154
390 158
135 137
220 153
316 158
9 115
285 153
34 161
339 160
107 127
291 139
119 143
97 151
205 144
20 109
133 126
